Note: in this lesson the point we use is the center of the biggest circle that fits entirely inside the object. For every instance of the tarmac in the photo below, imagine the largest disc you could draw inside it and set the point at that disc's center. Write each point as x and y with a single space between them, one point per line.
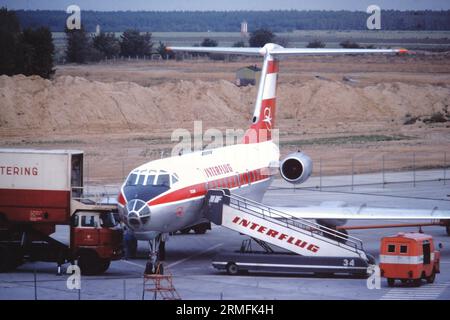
189 256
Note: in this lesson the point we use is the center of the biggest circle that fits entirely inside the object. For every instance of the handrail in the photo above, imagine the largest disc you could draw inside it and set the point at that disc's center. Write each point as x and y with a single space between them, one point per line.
95 197
292 222
305 221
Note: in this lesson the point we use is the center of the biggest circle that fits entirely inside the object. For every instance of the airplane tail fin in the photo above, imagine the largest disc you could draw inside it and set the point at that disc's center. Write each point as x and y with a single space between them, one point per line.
263 119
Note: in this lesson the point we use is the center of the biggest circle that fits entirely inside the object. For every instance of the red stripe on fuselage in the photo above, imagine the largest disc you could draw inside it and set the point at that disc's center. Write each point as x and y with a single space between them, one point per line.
198 190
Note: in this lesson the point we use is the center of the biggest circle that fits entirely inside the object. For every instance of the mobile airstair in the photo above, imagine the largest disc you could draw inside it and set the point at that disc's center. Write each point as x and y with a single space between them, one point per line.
308 246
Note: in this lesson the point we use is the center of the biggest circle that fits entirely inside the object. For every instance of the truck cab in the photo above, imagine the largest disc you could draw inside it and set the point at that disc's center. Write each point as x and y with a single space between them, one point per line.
96 239
409 257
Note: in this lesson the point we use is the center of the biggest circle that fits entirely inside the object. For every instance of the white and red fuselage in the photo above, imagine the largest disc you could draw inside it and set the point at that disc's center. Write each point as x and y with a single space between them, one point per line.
167 195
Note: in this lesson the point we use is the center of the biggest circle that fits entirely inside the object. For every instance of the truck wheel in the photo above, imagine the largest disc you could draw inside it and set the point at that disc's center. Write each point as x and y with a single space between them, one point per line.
5 259
232 269
104 265
417 282
200 229
10 259
432 276
90 263
390 282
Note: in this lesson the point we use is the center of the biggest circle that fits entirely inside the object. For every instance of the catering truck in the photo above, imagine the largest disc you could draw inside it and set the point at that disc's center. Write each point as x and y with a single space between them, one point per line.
41 190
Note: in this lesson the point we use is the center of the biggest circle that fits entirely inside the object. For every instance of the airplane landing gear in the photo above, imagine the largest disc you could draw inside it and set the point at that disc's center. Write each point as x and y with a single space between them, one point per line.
157 254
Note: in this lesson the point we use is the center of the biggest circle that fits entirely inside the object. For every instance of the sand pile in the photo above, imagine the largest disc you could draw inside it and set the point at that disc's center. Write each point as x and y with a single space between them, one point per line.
324 100
74 104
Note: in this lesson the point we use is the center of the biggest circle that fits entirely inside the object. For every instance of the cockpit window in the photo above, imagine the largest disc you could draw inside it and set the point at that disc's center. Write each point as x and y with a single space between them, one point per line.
163 180
150 180
131 181
141 180
148 184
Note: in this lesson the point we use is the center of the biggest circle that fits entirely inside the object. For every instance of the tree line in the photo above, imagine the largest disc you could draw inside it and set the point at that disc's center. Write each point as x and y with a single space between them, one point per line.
229 21
81 47
28 51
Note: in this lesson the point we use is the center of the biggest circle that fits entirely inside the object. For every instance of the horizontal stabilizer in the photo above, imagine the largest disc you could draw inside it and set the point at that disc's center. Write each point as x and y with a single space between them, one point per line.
278 51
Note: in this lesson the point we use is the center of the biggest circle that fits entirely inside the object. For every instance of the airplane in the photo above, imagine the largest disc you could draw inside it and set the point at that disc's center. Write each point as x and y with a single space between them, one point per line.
166 195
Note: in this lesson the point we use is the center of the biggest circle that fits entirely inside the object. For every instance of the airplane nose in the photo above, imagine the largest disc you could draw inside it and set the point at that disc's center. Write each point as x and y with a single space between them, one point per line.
138 213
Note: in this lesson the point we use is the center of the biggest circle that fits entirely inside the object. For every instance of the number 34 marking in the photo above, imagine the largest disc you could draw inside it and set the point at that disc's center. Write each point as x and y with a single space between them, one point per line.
349 263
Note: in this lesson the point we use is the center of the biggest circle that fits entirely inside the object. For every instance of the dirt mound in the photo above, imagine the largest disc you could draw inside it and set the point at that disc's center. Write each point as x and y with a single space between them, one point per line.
330 101
74 104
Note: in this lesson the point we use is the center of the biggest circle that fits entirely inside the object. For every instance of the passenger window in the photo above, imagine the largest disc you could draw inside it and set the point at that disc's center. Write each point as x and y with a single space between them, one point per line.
88 221
403 249
163 180
391 248
174 179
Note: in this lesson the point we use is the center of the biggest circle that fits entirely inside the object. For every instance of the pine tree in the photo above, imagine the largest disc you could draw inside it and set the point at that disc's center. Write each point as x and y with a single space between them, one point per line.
260 37
107 44
37 52
9 41
135 44
77 45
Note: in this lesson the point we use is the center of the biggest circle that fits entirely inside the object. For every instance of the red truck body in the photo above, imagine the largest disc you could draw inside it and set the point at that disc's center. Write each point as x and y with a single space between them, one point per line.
40 189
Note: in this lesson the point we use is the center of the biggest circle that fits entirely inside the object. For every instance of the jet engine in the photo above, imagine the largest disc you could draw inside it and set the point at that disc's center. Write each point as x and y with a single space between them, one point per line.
296 167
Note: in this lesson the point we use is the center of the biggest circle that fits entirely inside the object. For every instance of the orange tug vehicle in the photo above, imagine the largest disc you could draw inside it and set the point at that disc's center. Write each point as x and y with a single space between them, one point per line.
41 190
409 257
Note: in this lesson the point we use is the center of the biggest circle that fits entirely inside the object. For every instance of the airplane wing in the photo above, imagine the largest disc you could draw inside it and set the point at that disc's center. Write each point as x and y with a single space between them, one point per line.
276 50
225 50
363 212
